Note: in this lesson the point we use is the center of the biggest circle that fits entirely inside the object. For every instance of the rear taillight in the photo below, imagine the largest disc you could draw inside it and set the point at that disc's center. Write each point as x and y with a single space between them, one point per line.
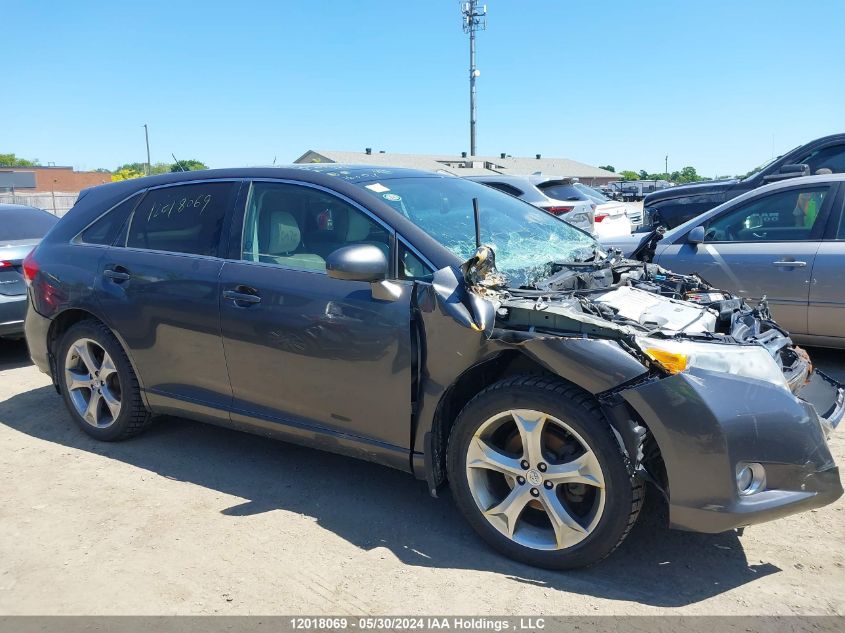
558 210
5 264
30 267
601 216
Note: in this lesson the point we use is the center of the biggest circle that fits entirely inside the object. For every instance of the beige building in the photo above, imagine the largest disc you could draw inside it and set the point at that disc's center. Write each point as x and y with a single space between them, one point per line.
463 165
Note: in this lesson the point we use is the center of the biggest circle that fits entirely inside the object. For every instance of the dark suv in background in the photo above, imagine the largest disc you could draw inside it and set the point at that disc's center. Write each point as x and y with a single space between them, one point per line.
675 205
437 326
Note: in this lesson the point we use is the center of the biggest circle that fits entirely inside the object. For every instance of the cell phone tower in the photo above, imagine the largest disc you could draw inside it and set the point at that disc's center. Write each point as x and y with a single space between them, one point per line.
474 19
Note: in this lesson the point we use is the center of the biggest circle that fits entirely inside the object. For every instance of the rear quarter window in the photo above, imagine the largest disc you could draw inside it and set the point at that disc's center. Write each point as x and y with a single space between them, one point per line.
105 230
182 218
562 192
503 186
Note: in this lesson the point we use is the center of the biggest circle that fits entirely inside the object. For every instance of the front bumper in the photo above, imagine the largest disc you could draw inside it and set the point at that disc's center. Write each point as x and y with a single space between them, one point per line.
12 313
706 422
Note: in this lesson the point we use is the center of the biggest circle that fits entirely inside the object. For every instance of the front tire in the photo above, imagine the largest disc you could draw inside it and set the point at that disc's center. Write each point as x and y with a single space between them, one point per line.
537 472
98 383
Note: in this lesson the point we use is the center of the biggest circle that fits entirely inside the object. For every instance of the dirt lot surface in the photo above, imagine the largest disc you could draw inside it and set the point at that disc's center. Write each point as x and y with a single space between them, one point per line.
193 519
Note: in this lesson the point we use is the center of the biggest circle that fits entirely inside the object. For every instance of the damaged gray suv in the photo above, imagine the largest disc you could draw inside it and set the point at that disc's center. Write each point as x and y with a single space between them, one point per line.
437 326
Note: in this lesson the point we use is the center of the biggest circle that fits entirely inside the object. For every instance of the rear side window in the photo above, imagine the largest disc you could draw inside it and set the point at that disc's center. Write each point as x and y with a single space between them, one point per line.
182 219
562 192
503 186
105 230
24 224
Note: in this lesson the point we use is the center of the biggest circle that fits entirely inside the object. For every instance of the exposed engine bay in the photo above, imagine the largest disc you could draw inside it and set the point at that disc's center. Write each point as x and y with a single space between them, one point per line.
613 297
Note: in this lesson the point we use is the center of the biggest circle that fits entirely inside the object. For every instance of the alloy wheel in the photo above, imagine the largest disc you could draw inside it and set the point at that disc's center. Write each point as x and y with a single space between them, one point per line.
93 383
535 479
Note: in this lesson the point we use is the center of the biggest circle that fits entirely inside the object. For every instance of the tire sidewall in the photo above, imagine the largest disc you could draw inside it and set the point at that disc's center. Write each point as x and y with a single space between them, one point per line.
594 430
104 338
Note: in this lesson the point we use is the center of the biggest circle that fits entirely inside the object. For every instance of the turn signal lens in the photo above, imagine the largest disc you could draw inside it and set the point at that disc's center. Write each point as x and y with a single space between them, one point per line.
673 362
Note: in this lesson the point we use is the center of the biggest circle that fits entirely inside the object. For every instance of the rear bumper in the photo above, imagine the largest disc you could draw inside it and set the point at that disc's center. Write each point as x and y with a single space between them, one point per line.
37 329
705 423
12 314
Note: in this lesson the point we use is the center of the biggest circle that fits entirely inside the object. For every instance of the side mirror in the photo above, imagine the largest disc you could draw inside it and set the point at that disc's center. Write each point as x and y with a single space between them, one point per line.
696 235
789 171
799 169
357 262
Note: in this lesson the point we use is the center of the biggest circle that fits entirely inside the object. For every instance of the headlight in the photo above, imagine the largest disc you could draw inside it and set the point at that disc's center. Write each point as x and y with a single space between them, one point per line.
750 361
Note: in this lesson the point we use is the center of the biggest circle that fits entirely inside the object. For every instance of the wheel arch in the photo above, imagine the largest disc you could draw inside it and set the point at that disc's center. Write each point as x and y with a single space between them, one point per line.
66 319
464 388
643 454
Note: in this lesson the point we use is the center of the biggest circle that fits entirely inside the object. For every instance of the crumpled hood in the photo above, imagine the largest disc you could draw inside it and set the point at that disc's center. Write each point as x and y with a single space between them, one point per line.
614 298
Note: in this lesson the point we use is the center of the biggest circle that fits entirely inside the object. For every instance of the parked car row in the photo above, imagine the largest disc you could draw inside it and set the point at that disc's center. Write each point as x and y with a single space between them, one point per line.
444 328
572 201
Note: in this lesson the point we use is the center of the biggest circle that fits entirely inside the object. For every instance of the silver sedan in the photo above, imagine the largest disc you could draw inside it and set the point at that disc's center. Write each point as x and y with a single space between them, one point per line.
784 241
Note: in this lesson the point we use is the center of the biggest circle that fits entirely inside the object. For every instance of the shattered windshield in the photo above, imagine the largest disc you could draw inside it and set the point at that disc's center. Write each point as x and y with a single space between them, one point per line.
526 240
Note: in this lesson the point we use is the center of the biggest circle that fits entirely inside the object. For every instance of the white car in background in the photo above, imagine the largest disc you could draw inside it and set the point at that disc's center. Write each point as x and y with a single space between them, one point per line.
612 217
553 195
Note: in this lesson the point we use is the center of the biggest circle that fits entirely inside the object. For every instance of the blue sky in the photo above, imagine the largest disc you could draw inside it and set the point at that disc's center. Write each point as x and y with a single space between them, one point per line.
717 85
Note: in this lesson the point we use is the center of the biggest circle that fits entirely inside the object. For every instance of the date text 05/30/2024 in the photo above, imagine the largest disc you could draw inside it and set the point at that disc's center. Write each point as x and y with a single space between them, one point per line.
418 623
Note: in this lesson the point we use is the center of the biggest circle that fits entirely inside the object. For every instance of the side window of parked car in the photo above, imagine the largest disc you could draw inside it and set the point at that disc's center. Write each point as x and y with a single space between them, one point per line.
829 158
503 186
790 215
105 230
182 219
298 227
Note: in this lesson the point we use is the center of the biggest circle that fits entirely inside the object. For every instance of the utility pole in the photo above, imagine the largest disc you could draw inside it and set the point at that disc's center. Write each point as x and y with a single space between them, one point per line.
666 166
474 19
147 138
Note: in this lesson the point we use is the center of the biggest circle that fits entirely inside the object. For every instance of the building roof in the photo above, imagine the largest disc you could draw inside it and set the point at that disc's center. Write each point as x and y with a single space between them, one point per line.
462 166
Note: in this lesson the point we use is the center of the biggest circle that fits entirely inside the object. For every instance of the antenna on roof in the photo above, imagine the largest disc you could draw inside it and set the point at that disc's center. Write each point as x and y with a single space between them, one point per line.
274 160
178 164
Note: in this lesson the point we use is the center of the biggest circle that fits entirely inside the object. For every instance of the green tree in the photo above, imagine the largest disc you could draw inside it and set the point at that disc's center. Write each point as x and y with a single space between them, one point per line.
629 175
188 165
10 160
139 167
607 168
127 172
687 174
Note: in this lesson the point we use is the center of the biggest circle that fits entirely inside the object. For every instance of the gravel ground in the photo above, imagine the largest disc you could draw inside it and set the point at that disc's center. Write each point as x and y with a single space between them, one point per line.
193 519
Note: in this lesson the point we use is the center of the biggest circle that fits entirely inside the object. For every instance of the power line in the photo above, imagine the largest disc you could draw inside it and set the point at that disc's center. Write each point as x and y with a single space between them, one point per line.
474 19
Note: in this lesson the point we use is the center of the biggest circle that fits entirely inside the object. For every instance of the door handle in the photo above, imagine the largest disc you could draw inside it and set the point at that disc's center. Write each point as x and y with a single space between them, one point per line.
791 264
241 297
117 274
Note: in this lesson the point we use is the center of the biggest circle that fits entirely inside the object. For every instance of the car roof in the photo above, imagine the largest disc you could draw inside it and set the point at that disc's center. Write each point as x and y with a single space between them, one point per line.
534 179
19 207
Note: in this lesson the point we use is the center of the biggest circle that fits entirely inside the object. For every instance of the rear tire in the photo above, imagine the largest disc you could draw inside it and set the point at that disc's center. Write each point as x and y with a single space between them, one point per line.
536 470
98 383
